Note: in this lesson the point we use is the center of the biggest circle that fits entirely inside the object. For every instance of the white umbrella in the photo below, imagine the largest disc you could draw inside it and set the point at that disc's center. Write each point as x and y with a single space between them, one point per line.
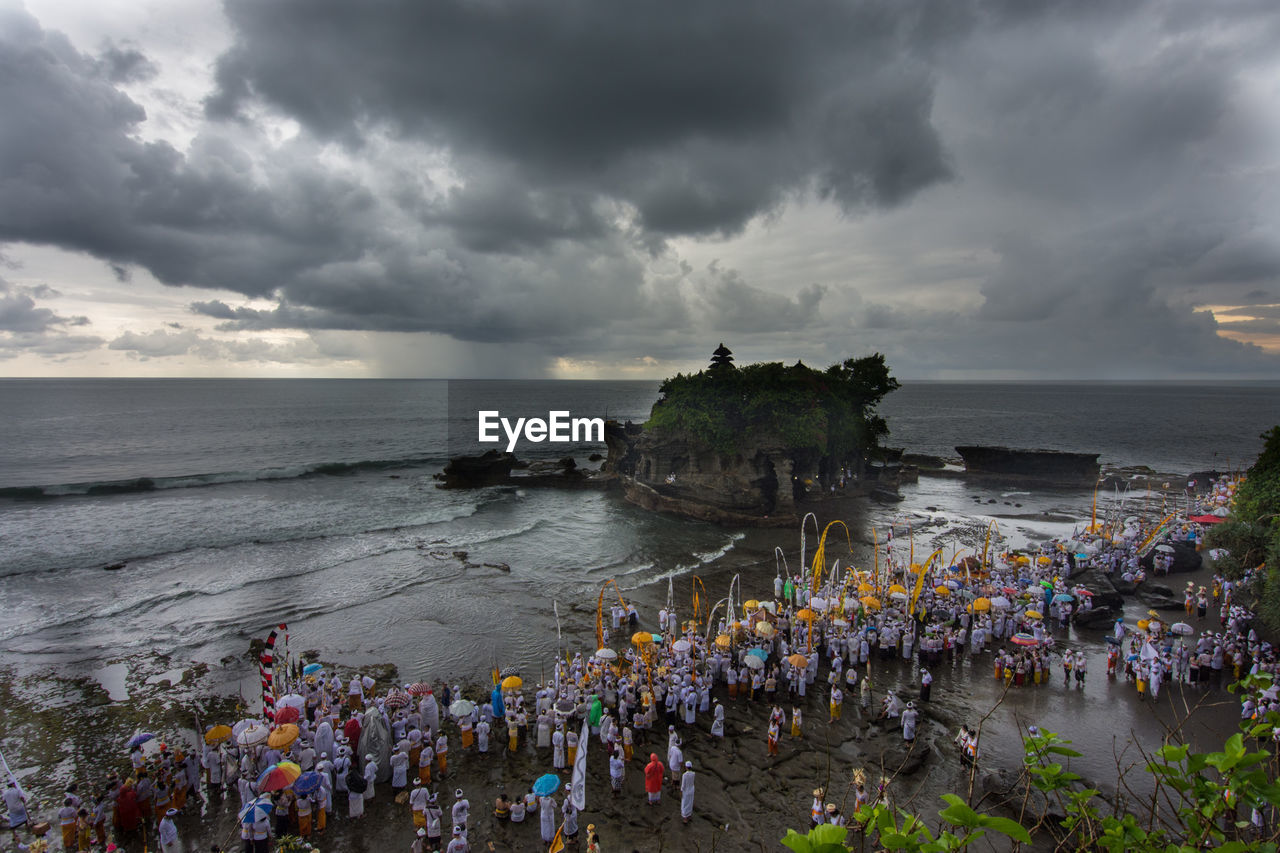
254 735
840 623
681 646
817 603
753 662
1181 628
898 596
292 700
771 606
1165 549
606 654
462 708
1000 602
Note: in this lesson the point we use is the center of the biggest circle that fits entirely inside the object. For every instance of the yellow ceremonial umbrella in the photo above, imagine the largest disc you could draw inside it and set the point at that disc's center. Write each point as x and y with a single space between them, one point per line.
804 613
1143 623
724 641
282 736
942 590
764 629
751 604
897 587
512 682
217 735
798 660
981 604
1034 614
1044 561
640 638
1023 560
870 602
865 589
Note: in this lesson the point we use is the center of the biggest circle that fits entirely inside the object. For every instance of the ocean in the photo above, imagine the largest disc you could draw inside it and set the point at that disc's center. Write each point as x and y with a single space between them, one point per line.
234 505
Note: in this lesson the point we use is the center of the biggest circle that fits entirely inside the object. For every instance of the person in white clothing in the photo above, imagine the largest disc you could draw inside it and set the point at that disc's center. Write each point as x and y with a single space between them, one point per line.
686 792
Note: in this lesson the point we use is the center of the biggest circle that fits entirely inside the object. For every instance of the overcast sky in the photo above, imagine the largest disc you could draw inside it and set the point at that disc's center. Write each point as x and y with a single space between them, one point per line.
589 188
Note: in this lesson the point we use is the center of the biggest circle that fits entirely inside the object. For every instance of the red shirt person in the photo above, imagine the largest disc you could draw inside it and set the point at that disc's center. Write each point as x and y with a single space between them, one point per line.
653 773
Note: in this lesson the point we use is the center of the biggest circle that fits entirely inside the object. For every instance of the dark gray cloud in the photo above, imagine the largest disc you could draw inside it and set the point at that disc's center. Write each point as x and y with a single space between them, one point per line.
1066 181
26 327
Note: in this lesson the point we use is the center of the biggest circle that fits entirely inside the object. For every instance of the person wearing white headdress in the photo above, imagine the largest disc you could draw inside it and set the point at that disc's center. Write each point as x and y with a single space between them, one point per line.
686 792
717 725
909 716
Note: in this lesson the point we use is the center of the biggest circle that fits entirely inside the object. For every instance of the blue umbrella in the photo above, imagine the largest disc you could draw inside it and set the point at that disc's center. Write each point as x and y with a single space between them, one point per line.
546 785
1132 657
1062 596
499 707
312 668
307 783
256 810
758 653
140 738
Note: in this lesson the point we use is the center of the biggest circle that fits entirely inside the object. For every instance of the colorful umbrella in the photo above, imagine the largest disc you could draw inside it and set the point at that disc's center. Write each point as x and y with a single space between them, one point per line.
1086 593
307 783
256 810
764 629
546 785
757 653
942 590
1024 639
419 688
865 589
217 734
1062 596
512 682
751 604
395 699
1034 614
640 638
282 737
312 668
288 714
140 738
804 613
897 587
278 776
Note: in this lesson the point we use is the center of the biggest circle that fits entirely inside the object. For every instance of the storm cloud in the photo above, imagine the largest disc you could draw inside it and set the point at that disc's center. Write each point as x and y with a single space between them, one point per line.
1060 186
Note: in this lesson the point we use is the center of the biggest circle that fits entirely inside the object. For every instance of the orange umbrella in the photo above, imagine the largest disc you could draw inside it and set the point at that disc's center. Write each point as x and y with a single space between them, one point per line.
804 613
283 736
798 660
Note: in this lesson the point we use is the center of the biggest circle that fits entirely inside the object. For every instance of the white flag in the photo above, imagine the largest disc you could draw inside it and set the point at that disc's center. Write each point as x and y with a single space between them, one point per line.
579 785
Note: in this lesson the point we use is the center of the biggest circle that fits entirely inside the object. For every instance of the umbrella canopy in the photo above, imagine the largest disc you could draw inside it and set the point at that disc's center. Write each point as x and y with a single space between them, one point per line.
981 604
292 699
546 785
312 668
217 734
751 604
282 737
764 629
307 783
1062 596
805 613
1181 628
870 602
565 706
278 776
1034 614
287 715
253 735
1008 590
771 606
1001 603
1046 584
396 699
462 708
840 623
140 738
1085 592
753 662
419 688
865 589
512 682
1024 639
603 654
681 646
897 587
954 584
757 653
641 637
1143 623
798 660
818 604
724 641
1165 549
898 596
1043 560
942 590
256 810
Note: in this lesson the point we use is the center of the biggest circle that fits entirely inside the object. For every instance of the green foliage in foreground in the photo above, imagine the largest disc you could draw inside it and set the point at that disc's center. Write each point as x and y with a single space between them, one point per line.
1201 801
827 412
1253 533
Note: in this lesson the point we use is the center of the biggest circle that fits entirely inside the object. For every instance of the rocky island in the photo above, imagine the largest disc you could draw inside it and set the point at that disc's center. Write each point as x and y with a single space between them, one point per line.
745 445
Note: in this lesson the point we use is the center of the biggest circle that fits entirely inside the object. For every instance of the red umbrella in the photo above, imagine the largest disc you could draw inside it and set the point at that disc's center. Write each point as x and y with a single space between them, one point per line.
287 714
419 688
1206 519
396 699
278 776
